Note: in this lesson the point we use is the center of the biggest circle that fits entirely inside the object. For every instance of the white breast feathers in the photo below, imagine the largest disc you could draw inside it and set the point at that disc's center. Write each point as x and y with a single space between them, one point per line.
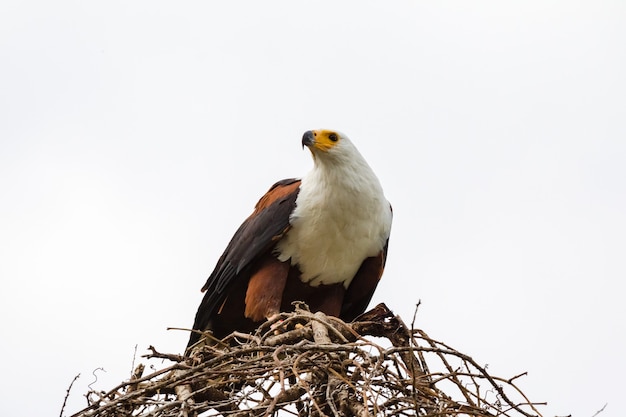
341 218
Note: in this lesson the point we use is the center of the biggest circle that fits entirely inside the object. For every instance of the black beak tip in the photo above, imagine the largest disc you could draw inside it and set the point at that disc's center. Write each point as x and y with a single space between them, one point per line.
308 138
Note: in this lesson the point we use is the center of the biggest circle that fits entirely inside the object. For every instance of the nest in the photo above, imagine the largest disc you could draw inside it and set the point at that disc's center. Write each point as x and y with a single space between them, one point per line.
306 364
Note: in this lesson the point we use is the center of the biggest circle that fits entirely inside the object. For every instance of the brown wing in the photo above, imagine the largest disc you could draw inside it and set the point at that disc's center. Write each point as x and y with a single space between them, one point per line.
254 239
363 285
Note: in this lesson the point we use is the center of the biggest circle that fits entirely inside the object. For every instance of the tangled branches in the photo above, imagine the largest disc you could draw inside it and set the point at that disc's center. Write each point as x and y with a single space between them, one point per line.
307 364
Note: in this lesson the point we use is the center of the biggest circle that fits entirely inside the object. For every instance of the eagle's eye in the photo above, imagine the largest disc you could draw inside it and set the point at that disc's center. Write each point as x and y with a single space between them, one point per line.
333 137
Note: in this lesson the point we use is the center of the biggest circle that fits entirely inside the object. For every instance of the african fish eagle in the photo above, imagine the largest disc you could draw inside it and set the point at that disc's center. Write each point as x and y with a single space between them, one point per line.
322 240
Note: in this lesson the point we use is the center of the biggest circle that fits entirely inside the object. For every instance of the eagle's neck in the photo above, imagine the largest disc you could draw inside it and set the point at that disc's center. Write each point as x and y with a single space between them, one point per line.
337 175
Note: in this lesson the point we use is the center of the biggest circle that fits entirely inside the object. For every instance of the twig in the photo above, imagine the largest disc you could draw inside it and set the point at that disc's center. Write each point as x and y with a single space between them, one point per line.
168 356
600 410
132 365
67 394
95 377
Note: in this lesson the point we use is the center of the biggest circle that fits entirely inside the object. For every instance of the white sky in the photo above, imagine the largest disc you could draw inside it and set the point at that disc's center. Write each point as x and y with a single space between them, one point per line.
136 136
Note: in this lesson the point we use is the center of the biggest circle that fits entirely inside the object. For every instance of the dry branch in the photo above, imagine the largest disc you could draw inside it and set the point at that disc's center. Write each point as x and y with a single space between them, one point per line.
306 364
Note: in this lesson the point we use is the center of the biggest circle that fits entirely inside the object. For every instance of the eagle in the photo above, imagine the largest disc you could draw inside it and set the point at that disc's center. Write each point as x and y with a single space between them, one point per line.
321 240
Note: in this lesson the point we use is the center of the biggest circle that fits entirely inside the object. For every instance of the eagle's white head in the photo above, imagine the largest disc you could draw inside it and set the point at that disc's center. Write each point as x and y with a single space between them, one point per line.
330 146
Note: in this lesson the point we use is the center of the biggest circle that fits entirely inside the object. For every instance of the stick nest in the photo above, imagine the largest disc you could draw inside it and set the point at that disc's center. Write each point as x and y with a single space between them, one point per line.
306 364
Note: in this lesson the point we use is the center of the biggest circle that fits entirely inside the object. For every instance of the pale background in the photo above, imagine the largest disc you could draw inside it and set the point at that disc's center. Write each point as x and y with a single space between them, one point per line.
136 136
